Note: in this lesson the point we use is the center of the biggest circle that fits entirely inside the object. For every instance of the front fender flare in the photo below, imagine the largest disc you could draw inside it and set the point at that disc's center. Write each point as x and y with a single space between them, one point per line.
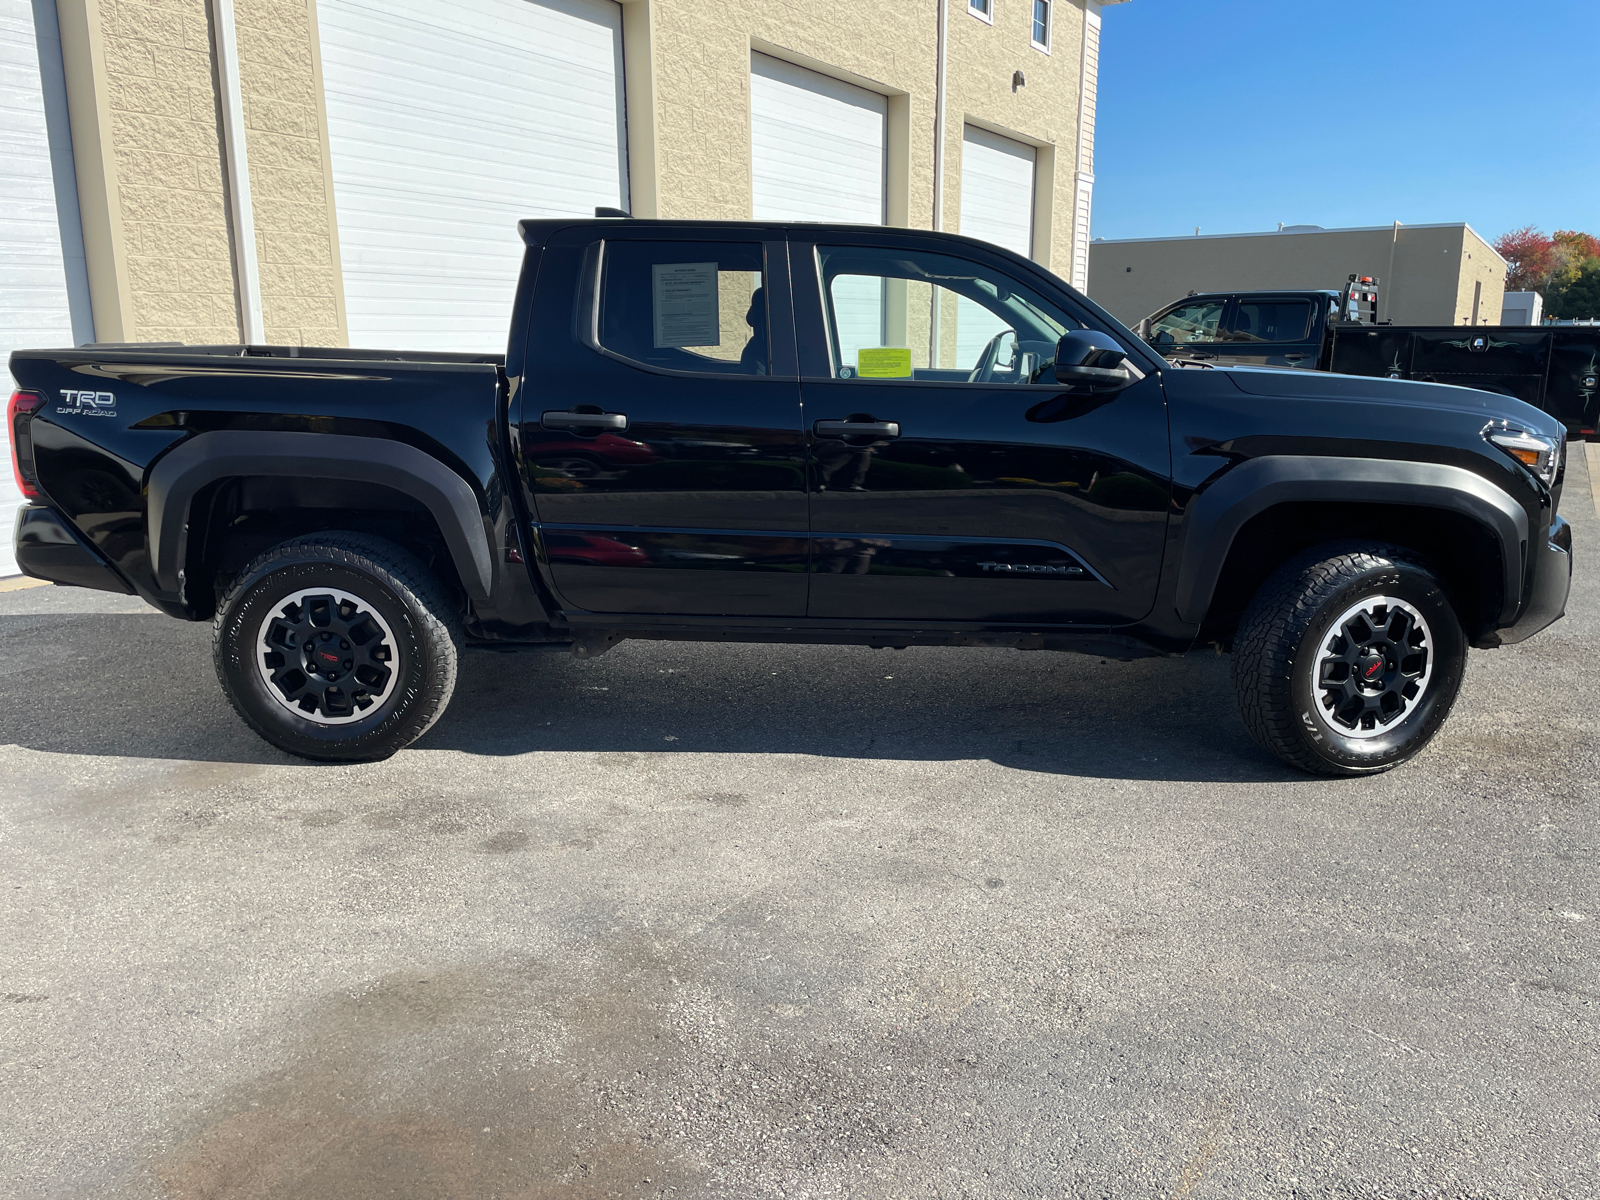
1221 509
179 475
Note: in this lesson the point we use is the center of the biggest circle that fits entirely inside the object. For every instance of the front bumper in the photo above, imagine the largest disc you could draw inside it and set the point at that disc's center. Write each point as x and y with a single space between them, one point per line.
49 548
1552 580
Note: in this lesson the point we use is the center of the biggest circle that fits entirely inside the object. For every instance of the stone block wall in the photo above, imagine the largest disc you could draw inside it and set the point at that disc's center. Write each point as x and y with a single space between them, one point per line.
291 189
168 157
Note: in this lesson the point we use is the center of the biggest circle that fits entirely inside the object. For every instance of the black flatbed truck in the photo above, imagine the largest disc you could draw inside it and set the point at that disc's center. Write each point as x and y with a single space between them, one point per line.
1552 367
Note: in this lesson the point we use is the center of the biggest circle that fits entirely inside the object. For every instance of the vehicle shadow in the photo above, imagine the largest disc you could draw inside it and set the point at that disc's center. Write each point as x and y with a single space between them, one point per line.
139 685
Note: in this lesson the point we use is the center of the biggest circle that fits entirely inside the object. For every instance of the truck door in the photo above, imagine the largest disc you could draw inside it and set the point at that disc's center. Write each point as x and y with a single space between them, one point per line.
1272 331
952 478
659 424
1190 329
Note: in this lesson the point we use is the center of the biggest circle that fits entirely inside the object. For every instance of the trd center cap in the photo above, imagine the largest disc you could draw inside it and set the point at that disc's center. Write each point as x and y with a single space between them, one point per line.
326 663
1369 668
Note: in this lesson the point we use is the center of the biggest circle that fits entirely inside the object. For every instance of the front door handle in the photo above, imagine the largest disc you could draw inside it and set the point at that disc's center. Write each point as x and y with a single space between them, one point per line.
591 421
877 429
1294 358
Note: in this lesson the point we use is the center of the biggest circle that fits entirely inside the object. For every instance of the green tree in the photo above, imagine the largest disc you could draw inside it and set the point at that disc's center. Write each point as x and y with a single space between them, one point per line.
1579 297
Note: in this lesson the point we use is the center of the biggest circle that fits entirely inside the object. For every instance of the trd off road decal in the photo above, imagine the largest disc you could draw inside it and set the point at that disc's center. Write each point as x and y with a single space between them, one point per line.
87 404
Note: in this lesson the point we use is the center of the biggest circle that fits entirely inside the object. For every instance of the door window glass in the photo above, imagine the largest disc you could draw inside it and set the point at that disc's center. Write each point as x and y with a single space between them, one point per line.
1200 322
1271 320
686 306
905 314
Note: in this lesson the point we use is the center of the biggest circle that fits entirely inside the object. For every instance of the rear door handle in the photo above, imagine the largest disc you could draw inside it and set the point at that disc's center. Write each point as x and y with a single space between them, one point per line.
881 429
587 421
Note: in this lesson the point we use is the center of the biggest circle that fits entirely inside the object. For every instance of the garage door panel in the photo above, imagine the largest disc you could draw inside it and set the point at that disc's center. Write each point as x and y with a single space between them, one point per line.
448 124
818 146
34 307
997 184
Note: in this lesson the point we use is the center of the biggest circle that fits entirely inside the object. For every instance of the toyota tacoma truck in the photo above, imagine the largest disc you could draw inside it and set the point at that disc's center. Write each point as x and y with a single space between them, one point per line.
798 434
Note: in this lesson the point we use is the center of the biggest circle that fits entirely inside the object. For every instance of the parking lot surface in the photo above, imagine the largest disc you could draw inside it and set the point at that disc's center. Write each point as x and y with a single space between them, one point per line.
743 921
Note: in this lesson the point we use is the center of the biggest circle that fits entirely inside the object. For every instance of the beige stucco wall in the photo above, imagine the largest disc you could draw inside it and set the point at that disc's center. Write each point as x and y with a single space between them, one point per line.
1043 113
689 120
291 188
146 127
159 133
1425 274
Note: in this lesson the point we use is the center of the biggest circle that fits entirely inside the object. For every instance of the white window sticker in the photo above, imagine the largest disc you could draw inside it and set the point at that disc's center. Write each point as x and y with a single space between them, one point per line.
685 304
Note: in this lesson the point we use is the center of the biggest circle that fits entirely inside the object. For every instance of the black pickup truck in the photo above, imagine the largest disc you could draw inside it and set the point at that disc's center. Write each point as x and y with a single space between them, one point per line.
793 433
1553 367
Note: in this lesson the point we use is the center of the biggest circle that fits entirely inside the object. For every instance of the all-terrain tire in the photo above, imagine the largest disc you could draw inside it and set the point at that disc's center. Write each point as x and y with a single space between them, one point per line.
1334 680
303 600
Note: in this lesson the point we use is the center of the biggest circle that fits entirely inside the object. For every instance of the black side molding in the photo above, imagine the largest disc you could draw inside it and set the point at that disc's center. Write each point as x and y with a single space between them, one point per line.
1221 510
49 548
223 454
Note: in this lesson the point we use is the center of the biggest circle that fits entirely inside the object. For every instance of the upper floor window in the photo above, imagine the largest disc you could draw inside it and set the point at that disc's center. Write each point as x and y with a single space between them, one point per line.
1041 25
982 9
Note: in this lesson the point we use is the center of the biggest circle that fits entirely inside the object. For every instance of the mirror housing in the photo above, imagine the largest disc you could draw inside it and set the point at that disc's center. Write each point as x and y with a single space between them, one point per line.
1144 329
1087 356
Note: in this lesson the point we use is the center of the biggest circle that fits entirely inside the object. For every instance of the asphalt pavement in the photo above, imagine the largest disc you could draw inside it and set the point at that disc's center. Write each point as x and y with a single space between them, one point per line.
743 921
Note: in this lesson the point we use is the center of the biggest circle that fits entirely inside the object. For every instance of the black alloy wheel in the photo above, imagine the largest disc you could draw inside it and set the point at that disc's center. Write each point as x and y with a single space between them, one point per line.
338 646
327 655
1348 659
1374 665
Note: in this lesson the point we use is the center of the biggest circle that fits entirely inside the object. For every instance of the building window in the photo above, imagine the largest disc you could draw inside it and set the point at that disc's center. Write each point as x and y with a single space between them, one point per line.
1041 25
982 9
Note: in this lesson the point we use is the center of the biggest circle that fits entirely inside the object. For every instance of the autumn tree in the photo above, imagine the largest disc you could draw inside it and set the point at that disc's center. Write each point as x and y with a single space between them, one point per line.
1564 267
1532 258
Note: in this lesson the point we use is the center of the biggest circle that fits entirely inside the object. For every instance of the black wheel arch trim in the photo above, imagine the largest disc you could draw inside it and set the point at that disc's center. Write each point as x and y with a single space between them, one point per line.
179 475
1218 512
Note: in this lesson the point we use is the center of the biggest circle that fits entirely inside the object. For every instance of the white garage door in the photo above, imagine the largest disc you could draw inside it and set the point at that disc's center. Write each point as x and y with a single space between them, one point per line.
997 206
819 153
34 310
449 123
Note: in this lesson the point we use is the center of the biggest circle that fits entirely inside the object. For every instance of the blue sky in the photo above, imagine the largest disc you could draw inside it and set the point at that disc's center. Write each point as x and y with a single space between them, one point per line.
1234 115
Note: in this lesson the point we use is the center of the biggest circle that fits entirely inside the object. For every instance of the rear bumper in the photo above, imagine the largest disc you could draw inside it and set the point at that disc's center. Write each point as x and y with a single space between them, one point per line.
1552 579
49 548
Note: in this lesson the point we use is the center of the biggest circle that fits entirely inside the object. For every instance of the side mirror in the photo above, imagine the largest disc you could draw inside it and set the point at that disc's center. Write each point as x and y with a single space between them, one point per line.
1085 356
1144 329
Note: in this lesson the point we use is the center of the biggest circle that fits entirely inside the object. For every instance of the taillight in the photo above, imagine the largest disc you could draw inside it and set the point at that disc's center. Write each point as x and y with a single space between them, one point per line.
19 416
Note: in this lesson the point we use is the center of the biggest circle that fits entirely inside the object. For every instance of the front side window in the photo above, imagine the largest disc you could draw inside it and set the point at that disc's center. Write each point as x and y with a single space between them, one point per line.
1041 24
686 306
905 314
1271 320
1200 322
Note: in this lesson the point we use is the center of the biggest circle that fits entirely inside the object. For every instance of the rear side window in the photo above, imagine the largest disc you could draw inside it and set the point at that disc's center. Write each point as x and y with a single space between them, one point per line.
686 306
1199 322
1272 320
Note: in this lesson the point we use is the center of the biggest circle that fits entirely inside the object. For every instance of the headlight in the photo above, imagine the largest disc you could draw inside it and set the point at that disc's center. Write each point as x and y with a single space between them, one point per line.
1540 454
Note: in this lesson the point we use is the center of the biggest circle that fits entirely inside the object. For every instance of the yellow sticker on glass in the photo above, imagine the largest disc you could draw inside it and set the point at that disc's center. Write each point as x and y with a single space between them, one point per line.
883 362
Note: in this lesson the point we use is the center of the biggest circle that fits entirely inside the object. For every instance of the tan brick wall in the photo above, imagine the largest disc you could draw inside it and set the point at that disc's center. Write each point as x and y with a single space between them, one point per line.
164 141
1425 274
1481 265
290 187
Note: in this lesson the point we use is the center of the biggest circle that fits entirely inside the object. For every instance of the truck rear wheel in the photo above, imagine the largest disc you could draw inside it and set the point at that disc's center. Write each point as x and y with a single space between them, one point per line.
1348 659
338 647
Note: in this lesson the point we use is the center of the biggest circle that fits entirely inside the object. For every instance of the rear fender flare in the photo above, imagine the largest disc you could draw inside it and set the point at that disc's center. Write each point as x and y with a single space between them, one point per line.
179 476
1221 510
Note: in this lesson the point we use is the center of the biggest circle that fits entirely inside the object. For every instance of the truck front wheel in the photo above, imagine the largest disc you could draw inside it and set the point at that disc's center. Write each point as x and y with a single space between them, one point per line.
337 646
1348 659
